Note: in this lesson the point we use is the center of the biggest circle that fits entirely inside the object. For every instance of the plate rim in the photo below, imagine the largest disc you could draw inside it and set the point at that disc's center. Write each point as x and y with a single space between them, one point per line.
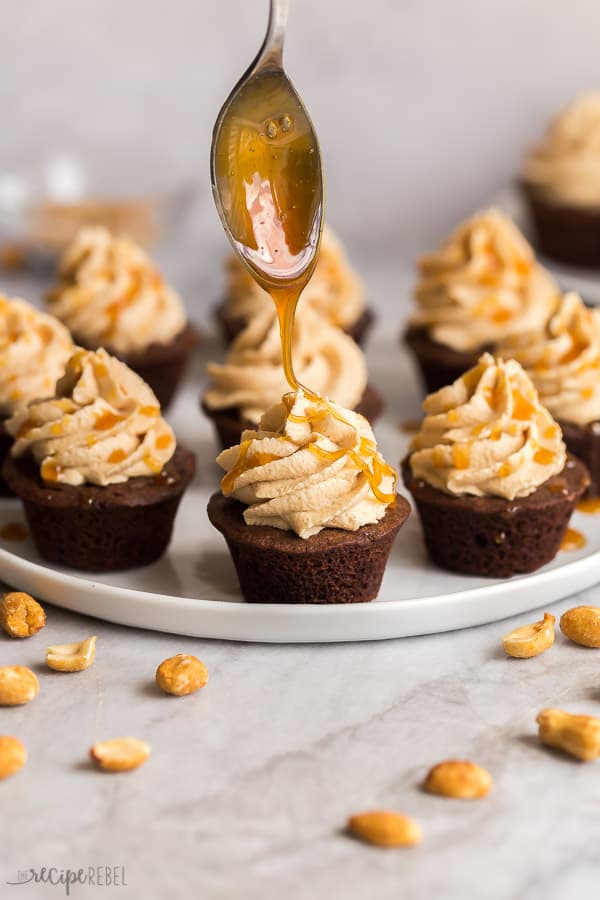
236 613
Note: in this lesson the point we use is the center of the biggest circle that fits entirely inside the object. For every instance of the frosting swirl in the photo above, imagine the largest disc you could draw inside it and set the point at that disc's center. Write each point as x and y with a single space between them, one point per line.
335 289
563 361
483 284
34 349
310 465
565 164
103 426
487 435
111 295
252 379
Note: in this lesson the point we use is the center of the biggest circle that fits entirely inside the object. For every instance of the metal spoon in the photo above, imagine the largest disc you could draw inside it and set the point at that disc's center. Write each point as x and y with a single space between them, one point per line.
266 168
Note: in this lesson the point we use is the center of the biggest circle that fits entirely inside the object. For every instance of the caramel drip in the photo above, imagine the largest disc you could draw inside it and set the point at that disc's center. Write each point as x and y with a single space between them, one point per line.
150 411
117 456
572 540
501 316
244 464
543 457
461 455
14 531
589 505
574 351
523 408
153 464
113 309
107 420
550 432
163 441
373 468
50 471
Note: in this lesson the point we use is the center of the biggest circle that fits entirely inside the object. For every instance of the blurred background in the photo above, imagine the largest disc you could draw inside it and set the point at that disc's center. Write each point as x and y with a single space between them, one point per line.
423 108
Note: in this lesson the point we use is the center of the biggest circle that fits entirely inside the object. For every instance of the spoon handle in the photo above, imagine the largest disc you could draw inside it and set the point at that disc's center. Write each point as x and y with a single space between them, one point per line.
271 52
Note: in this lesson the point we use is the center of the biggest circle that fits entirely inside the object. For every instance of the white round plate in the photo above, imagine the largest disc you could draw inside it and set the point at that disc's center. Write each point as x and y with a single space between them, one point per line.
193 589
585 282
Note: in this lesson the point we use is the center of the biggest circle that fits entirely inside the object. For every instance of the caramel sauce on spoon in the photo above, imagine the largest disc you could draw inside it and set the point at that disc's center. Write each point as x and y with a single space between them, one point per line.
267 173
268 186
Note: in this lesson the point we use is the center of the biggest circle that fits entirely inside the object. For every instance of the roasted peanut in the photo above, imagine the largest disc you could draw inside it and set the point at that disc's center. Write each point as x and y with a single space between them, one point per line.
385 829
120 754
20 615
71 657
577 735
530 640
17 685
13 755
458 778
582 625
181 674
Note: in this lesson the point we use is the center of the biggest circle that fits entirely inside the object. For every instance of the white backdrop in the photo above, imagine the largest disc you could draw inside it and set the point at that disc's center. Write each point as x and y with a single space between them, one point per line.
423 107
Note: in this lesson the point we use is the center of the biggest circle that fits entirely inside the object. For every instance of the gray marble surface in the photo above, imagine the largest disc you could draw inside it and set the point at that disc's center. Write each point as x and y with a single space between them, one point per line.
251 780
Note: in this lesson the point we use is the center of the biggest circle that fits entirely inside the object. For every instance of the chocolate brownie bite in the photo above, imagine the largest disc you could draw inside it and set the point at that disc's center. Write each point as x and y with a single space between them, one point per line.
308 515
251 380
111 295
97 468
563 362
489 474
482 284
335 291
560 182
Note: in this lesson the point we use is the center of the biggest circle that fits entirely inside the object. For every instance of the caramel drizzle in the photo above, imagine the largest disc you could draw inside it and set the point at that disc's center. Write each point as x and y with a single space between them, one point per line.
366 459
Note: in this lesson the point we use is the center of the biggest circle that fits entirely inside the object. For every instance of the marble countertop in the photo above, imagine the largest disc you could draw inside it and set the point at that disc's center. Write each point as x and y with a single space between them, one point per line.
251 781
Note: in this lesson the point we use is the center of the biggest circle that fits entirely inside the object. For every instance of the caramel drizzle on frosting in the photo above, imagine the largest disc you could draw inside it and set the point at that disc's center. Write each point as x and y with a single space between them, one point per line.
367 459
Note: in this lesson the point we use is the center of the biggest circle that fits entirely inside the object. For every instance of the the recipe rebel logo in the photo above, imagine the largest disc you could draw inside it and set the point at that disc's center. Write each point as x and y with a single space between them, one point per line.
89 876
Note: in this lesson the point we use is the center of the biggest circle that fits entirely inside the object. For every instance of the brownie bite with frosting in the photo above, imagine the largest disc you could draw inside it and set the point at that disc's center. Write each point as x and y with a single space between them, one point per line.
560 180
34 349
483 284
97 468
563 361
490 475
335 290
111 295
251 380
308 506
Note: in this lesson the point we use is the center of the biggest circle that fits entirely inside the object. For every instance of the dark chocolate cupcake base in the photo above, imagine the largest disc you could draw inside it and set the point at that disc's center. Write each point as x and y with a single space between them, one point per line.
334 566
6 442
494 537
438 365
161 366
228 425
101 529
583 441
231 326
567 234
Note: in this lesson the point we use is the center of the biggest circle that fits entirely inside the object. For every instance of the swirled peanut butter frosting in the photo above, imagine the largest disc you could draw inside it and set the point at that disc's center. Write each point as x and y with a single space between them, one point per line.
335 290
111 295
252 381
565 164
103 426
563 361
483 284
310 465
34 349
487 435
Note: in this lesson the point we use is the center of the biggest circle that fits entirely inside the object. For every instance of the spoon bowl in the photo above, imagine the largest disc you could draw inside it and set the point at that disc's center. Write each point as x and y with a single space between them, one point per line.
266 169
